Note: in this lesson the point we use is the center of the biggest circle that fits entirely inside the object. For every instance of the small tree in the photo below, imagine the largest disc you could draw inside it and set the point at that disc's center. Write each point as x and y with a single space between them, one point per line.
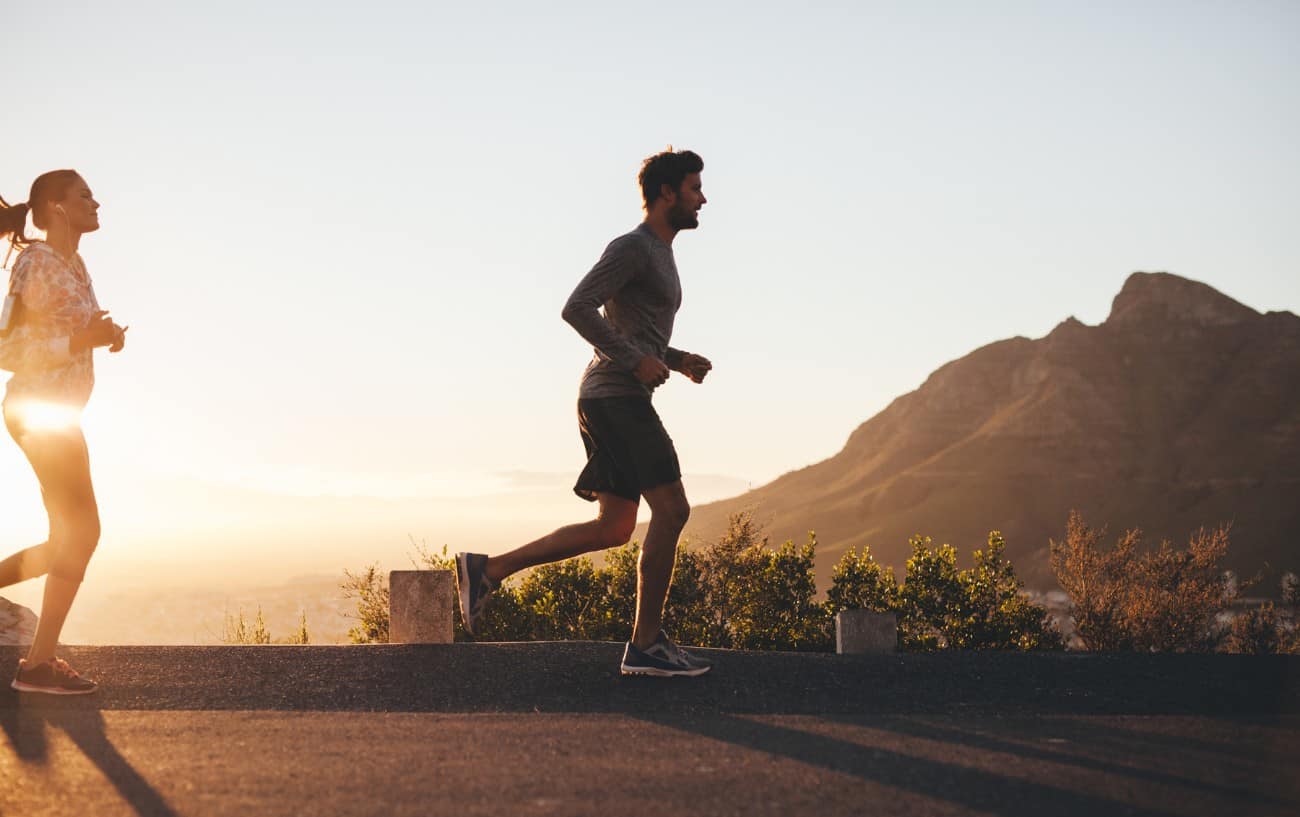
780 612
301 636
369 589
731 570
861 583
564 600
931 599
983 608
996 614
1257 632
260 634
1177 595
1094 579
1163 599
1291 590
237 630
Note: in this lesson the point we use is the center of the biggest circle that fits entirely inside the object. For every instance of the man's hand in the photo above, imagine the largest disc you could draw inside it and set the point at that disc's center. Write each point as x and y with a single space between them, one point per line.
651 371
695 366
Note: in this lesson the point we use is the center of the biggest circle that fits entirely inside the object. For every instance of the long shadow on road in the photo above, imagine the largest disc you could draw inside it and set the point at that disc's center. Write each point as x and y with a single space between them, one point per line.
26 727
1106 750
925 761
960 785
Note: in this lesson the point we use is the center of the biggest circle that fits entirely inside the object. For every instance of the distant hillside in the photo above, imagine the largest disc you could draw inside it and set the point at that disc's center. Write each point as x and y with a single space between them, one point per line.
1182 409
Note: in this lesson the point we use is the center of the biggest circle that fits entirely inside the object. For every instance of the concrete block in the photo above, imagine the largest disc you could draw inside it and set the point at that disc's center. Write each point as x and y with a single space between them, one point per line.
421 606
865 631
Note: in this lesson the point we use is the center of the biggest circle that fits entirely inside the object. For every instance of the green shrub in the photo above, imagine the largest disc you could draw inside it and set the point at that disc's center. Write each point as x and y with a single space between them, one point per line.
739 592
861 583
780 612
942 606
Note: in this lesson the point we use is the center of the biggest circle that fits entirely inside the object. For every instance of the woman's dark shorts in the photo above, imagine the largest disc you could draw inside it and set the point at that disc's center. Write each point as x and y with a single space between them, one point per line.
628 450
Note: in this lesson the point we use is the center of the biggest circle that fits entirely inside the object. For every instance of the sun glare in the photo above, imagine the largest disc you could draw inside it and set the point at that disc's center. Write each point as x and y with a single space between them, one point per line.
40 415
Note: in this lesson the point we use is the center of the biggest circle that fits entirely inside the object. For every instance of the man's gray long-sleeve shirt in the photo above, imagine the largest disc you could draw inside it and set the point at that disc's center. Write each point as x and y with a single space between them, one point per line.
636 282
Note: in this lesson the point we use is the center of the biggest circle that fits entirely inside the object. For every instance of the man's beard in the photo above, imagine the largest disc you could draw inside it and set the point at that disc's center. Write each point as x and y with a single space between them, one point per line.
679 218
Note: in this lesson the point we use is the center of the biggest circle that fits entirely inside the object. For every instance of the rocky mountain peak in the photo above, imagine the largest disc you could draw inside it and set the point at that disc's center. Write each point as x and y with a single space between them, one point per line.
1161 296
1182 410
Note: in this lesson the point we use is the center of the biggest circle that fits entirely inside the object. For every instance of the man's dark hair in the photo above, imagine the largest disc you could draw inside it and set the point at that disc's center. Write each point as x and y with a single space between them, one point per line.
670 168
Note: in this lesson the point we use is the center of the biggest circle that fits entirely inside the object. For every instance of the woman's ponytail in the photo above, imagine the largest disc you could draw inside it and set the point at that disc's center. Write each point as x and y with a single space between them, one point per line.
13 221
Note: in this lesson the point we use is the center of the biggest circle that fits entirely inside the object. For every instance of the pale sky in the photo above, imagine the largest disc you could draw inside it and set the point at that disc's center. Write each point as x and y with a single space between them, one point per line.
342 234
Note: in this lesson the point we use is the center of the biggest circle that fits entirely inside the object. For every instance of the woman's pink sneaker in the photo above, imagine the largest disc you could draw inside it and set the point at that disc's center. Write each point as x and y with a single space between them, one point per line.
53 677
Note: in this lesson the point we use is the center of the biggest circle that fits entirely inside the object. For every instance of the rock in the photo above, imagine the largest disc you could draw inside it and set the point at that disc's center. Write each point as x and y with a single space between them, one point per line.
17 623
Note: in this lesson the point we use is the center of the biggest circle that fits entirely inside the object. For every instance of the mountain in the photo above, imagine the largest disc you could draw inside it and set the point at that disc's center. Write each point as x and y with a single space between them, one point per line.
1182 409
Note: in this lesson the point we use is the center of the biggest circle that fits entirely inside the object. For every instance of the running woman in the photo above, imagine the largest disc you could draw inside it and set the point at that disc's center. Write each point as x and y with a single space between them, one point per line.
50 350
629 454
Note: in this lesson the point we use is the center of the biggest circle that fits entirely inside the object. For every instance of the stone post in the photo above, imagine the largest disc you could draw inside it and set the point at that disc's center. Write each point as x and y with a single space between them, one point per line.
858 631
421 606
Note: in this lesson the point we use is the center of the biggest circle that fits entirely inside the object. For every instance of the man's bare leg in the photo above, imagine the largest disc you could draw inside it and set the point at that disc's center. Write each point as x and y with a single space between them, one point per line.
669 511
612 527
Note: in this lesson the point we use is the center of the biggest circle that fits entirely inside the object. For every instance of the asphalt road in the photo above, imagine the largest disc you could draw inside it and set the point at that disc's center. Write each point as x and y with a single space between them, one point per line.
552 729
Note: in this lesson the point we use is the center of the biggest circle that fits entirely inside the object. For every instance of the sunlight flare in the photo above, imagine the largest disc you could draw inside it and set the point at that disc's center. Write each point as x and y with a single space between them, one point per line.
43 415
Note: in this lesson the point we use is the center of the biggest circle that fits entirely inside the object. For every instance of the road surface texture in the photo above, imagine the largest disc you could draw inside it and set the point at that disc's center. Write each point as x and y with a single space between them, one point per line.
551 729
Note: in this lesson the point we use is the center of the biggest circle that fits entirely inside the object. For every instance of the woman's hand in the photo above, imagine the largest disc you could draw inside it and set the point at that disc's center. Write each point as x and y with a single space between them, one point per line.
119 344
100 331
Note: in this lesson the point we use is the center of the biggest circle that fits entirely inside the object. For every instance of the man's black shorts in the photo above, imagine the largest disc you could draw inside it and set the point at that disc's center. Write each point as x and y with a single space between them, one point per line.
628 450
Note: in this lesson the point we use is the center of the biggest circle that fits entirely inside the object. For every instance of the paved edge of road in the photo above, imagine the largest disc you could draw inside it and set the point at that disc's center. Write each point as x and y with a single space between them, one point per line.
584 677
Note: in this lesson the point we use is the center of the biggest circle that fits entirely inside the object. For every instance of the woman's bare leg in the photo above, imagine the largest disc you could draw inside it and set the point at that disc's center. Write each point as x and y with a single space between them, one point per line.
62 465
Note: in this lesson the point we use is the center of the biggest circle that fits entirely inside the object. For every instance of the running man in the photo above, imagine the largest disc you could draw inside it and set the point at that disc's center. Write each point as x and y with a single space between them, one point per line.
629 454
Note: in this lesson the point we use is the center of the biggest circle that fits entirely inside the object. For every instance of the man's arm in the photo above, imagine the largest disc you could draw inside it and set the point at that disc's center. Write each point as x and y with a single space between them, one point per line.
692 365
616 267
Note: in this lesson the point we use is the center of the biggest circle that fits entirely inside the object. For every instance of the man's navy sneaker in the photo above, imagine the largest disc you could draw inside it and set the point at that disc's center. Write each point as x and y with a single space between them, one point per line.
474 586
662 659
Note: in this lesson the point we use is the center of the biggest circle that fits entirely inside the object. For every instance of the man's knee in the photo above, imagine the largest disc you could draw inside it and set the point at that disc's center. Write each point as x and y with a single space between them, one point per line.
674 513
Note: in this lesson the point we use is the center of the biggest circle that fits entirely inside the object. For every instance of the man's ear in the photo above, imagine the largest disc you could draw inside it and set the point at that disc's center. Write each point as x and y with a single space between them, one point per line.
667 193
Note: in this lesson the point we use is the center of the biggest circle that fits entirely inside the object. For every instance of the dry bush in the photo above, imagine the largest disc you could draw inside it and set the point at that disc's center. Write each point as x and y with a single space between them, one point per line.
1261 631
1134 598
1291 590
369 589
